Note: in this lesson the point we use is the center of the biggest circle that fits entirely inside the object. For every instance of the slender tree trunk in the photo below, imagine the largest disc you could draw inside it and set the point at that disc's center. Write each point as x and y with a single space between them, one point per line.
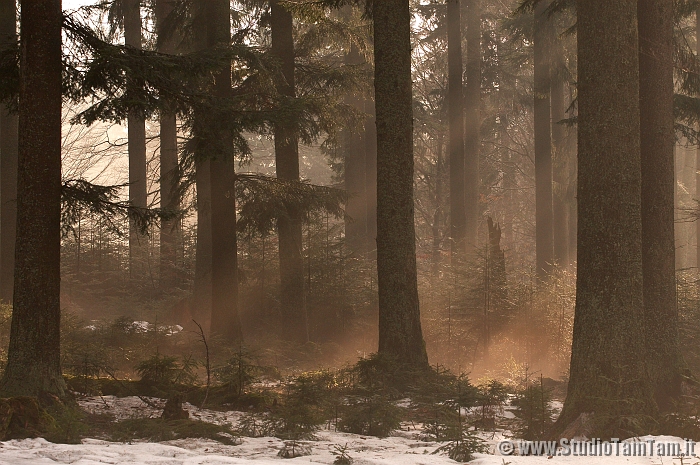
437 217
658 246
225 321
543 143
8 166
608 377
697 153
560 175
472 145
455 107
138 244
170 231
371 176
33 359
203 252
400 334
355 171
287 161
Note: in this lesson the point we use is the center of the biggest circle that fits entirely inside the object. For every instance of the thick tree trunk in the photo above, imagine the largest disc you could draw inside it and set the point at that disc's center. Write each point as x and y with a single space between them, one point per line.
138 196
544 243
472 138
33 359
697 153
355 172
293 296
8 166
608 376
455 107
170 231
225 321
400 334
560 175
658 247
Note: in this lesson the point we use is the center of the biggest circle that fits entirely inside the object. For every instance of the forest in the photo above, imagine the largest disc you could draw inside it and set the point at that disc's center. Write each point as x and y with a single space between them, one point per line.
380 232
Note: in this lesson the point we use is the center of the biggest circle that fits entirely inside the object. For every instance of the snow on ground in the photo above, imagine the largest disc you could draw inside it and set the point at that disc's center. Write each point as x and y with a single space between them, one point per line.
403 448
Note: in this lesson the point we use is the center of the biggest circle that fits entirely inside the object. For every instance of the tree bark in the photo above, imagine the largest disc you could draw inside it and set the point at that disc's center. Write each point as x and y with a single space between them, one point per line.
400 334
170 231
136 141
455 108
8 166
472 145
607 375
560 175
371 176
664 358
293 296
225 321
33 360
355 171
544 243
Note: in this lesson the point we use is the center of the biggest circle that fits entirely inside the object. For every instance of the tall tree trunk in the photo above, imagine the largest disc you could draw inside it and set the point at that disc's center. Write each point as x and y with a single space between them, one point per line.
8 166
138 196
355 171
371 176
658 247
697 153
608 376
203 253
225 321
472 138
400 334
543 143
560 175
455 108
437 217
287 161
170 233
33 359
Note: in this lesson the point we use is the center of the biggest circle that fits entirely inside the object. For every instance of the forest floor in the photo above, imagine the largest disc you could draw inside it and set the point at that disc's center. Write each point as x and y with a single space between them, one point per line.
403 447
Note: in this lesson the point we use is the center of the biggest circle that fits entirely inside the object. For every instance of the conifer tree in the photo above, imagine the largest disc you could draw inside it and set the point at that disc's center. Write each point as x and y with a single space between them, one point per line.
400 334
287 166
136 126
33 358
472 145
543 142
456 127
608 378
169 176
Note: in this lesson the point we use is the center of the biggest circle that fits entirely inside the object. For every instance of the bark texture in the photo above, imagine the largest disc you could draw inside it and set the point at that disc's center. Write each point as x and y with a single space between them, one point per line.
170 230
293 296
543 143
136 142
400 334
607 374
455 107
8 166
655 19
33 360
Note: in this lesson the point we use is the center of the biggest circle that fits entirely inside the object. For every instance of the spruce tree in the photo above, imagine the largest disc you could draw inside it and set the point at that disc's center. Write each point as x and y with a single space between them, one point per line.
400 334
287 165
455 104
608 377
33 358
